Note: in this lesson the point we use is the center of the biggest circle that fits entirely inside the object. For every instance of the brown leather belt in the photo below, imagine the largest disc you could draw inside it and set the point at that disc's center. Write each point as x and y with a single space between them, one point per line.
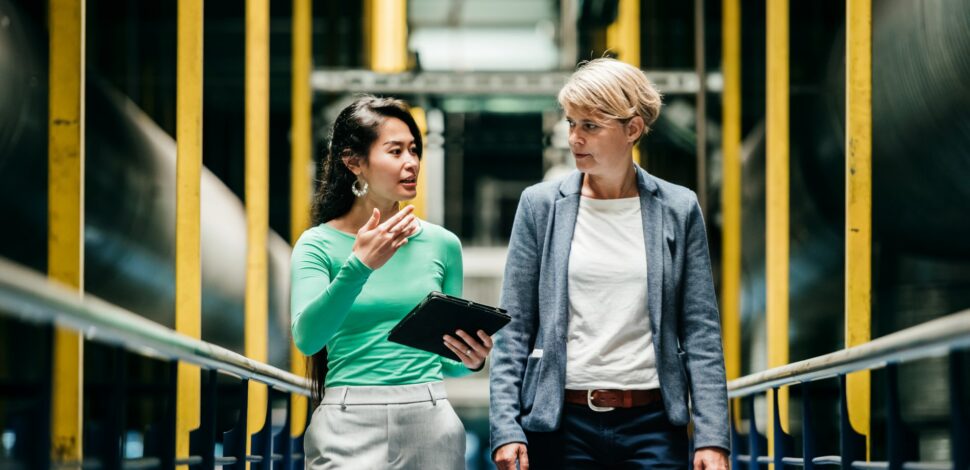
613 398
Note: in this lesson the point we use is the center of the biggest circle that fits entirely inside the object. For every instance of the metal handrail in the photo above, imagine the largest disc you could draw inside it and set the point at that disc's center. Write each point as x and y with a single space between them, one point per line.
31 296
929 339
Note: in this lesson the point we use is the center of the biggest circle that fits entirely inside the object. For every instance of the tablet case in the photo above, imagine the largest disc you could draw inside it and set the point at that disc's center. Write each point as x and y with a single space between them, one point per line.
440 314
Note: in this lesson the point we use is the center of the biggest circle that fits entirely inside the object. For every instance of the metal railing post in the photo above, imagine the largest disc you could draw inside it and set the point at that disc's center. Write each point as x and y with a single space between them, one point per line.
782 446
808 427
257 201
901 442
283 440
203 439
858 203
731 190
301 169
959 412
852 445
235 441
756 442
65 260
188 245
776 197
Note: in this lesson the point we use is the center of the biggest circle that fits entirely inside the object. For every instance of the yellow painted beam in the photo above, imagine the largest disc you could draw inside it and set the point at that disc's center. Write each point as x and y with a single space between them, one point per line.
66 218
68 396
777 188
420 202
623 39
188 174
858 203
731 190
257 202
623 36
301 172
386 40
386 35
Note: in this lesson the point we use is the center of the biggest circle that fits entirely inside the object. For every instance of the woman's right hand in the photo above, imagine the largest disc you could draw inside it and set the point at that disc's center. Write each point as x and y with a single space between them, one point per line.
377 242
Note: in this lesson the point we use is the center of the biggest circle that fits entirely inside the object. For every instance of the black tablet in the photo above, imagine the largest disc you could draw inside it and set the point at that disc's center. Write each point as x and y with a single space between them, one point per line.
440 314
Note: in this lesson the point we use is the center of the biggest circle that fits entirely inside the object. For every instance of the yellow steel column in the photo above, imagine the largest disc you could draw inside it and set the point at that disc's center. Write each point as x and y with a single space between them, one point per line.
65 229
300 169
257 201
623 38
776 217
386 31
731 192
386 28
858 202
188 261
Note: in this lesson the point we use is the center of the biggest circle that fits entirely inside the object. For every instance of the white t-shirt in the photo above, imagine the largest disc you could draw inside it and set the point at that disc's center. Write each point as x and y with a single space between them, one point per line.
609 343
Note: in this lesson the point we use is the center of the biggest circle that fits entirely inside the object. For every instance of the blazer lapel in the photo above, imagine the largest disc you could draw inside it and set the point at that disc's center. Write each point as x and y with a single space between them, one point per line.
652 214
564 224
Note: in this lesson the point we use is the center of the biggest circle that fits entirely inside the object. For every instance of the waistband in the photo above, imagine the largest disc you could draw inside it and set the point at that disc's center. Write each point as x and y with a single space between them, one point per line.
605 400
384 394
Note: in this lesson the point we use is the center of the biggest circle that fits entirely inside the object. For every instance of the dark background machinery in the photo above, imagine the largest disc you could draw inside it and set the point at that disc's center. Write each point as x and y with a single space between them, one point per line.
920 200
129 203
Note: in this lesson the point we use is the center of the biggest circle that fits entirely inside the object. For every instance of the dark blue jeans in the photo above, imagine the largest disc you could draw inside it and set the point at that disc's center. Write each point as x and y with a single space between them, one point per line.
630 438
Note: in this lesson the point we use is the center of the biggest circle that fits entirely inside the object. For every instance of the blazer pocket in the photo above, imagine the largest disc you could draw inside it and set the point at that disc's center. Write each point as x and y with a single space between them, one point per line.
530 381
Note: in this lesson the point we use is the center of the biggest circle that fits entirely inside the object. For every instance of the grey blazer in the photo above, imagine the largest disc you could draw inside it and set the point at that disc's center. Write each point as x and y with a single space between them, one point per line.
528 369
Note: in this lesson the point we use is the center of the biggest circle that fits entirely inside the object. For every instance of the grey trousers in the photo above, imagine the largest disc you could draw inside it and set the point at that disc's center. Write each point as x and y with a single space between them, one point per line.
387 427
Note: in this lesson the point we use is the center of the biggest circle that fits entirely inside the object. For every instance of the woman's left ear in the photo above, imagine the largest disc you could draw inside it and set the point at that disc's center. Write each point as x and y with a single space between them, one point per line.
634 128
352 162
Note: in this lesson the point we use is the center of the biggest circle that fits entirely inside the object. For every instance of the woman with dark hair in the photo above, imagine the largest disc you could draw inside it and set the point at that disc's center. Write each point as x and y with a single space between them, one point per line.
354 275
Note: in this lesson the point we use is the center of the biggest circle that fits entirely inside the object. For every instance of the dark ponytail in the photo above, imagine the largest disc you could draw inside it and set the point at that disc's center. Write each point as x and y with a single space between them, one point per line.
352 134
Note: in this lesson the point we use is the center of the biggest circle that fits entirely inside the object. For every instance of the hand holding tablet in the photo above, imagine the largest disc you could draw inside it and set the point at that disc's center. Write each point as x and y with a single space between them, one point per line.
472 349
441 314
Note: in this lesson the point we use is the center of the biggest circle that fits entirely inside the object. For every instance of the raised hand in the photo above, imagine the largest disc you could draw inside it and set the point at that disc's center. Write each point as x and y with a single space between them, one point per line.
377 242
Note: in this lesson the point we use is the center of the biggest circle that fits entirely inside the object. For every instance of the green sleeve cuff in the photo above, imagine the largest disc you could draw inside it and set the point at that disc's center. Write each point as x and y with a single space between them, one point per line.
357 266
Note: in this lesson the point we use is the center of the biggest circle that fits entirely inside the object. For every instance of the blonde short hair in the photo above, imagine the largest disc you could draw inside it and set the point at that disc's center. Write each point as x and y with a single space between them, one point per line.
610 89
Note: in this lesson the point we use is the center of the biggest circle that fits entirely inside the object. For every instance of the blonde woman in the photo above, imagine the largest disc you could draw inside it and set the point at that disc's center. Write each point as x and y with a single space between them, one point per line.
615 342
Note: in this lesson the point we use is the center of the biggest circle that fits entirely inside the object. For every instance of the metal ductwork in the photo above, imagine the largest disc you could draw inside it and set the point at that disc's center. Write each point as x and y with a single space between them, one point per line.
129 247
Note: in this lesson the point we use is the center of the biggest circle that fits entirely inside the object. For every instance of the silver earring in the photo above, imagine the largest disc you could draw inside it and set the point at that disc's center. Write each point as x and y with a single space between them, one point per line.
361 190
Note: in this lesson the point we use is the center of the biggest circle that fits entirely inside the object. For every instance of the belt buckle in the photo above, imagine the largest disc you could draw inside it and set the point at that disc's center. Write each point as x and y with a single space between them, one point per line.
598 409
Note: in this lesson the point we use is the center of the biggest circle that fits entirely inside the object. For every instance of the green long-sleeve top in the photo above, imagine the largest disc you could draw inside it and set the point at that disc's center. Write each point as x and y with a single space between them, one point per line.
338 302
